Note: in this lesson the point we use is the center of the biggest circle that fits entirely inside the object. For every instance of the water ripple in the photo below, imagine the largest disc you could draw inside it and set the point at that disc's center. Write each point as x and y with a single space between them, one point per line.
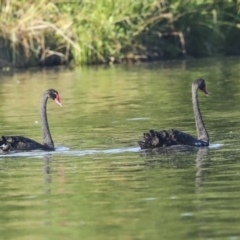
67 151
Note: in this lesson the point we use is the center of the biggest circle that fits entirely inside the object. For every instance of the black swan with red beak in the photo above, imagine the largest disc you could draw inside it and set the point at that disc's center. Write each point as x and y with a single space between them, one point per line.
19 143
154 139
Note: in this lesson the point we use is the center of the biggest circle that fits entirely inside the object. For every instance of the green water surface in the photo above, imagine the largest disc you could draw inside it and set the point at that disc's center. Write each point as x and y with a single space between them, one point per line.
102 186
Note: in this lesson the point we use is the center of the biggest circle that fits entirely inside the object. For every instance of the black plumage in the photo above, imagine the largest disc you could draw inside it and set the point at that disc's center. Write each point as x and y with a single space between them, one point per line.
164 138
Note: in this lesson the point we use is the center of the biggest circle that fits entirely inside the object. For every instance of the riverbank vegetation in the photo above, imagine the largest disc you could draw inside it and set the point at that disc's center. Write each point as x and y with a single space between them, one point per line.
44 32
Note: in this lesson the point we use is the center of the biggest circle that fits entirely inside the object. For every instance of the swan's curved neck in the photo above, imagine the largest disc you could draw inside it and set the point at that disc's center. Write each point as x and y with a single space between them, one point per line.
201 130
46 135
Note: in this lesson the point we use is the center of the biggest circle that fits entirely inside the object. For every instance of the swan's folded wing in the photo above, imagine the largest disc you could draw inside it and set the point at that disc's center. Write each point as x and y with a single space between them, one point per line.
154 139
182 138
19 143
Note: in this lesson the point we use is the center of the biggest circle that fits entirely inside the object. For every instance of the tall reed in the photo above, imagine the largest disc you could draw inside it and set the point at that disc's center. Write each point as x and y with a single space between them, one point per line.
40 31
33 30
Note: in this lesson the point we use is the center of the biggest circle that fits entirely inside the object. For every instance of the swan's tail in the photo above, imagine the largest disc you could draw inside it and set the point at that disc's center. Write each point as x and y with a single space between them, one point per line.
150 140
2 141
4 145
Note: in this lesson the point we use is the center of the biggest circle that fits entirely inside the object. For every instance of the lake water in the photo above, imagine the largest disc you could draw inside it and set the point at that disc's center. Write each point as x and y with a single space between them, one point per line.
98 184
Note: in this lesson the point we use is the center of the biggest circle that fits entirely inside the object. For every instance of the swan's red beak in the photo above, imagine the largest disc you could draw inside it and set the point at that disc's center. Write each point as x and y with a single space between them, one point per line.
205 91
57 100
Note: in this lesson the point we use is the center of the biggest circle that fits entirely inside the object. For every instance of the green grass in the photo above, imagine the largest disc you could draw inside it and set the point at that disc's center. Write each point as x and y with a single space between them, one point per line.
85 32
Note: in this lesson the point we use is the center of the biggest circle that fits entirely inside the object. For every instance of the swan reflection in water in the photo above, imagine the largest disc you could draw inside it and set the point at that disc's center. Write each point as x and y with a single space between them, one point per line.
47 173
47 186
201 165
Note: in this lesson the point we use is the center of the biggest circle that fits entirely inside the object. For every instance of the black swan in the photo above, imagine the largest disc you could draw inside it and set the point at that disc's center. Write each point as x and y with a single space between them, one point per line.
19 143
154 139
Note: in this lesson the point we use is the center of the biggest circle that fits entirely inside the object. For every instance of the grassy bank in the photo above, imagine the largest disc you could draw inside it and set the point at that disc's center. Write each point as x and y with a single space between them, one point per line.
47 32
